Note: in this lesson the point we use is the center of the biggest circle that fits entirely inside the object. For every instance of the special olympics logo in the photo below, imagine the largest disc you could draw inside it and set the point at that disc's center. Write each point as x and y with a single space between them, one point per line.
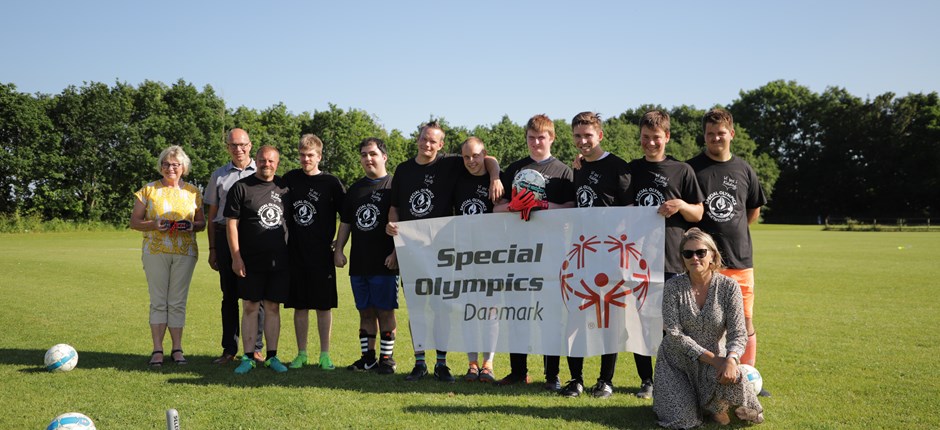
650 197
585 196
270 215
367 216
720 206
421 202
472 206
587 274
304 212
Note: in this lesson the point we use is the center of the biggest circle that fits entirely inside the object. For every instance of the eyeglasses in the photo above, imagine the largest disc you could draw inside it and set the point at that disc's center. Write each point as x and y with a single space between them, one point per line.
238 145
170 165
688 253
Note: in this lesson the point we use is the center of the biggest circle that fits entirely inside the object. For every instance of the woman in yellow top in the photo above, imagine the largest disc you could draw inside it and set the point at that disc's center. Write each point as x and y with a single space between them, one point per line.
169 212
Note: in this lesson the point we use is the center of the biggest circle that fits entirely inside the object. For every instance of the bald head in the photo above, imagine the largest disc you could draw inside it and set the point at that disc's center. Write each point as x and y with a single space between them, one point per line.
237 135
239 147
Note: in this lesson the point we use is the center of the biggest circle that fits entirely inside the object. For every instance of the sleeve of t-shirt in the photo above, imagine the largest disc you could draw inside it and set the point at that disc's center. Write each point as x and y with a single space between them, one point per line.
755 197
624 197
691 192
394 190
506 178
339 194
233 201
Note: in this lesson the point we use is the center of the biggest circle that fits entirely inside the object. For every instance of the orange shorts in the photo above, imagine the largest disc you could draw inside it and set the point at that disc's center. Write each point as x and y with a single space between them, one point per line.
745 278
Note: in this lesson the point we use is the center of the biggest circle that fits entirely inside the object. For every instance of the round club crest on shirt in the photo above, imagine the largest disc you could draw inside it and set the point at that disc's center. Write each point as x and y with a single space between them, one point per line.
304 213
720 206
367 217
270 215
472 206
421 202
598 278
650 197
585 196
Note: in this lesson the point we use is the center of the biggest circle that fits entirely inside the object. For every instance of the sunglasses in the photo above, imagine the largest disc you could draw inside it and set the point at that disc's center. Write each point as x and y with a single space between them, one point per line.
688 253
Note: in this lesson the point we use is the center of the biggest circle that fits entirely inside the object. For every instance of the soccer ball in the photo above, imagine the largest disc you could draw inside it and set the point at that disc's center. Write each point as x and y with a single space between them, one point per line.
528 179
71 421
61 358
752 376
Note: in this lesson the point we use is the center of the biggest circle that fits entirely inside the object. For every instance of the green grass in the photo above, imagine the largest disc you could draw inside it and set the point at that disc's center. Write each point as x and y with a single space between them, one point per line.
847 324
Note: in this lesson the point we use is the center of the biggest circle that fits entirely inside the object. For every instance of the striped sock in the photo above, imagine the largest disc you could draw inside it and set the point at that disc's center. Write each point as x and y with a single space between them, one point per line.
387 344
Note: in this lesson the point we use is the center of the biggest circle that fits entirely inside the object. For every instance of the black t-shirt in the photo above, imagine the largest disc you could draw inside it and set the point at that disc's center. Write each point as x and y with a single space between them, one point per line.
259 207
652 184
425 191
605 182
366 211
315 200
730 188
471 194
559 181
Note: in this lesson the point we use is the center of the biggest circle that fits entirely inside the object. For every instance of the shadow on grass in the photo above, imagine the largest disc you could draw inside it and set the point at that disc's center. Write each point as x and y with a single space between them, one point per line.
614 416
201 372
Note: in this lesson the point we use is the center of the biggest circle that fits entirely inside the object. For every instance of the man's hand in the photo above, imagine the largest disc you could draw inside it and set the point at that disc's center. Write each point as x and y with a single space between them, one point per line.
213 260
392 260
391 229
496 190
238 266
525 202
339 259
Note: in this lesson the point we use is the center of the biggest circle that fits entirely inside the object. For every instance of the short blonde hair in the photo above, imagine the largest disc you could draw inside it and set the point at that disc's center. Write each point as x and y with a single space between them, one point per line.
695 233
176 152
311 141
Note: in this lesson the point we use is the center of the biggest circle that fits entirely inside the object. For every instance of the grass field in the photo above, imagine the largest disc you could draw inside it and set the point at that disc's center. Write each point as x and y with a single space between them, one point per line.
847 323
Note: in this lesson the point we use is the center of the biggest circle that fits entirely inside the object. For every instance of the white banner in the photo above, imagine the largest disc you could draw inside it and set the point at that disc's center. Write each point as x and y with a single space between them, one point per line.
570 282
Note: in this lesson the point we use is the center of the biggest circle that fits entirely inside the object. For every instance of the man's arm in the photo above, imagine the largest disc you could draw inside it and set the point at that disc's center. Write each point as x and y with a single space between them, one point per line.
391 228
210 230
752 215
342 236
496 185
689 212
231 230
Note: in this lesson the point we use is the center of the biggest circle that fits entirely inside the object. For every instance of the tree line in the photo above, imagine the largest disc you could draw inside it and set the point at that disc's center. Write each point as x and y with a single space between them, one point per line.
80 154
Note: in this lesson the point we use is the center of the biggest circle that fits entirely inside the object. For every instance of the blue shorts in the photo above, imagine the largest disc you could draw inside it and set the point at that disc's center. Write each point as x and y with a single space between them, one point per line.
380 292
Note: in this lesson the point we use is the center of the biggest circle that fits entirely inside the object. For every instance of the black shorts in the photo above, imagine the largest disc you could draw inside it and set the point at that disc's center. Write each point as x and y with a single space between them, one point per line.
312 288
272 286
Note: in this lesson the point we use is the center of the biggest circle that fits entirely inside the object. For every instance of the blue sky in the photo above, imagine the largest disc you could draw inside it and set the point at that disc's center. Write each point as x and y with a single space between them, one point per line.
472 62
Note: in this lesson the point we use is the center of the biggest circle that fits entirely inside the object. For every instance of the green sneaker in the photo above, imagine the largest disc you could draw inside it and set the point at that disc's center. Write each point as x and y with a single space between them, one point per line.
325 362
245 366
275 364
300 361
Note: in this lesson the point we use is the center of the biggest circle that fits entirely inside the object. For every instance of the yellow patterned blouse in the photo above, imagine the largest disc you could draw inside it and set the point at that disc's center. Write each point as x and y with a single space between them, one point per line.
175 204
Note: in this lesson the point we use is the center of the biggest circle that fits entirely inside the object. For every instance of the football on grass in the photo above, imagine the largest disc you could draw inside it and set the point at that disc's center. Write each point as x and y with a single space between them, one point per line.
71 421
61 358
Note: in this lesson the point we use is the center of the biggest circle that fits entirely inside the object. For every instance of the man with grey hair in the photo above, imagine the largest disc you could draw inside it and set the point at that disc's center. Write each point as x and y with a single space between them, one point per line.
242 165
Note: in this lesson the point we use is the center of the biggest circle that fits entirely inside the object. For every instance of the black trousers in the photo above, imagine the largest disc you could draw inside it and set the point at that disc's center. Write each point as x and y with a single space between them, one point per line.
228 283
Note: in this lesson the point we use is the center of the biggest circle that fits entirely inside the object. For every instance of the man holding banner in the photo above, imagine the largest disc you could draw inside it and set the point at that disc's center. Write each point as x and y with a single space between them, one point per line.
559 193
603 180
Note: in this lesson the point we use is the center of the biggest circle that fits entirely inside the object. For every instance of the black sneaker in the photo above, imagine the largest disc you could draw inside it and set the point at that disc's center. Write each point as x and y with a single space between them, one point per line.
763 393
418 372
386 366
573 388
442 373
602 390
646 390
512 379
553 384
363 364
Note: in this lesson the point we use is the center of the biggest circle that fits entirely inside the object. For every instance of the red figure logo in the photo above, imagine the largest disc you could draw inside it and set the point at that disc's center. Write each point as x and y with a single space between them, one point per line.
599 291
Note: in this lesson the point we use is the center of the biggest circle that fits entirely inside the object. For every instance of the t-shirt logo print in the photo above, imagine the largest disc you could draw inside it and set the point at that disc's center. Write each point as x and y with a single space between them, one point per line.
421 202
270 215
367 217
585 196
304 212
583 287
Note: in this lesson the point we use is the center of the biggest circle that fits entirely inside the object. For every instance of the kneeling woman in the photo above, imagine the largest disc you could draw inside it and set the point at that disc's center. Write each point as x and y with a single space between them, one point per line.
694 375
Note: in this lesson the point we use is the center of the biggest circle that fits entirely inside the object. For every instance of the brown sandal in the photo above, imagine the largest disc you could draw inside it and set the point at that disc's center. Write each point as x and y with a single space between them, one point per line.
153 362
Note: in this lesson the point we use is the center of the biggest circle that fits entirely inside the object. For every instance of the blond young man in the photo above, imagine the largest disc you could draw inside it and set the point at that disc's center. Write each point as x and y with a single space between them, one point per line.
733 198
670 185
315 198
